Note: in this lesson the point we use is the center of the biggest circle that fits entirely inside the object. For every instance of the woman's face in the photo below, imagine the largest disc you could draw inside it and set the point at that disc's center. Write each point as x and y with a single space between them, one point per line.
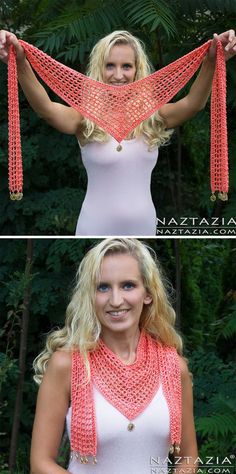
120 294
119 67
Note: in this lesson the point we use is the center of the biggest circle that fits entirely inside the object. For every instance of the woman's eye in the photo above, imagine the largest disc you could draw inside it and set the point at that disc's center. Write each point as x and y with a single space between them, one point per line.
102 287
129 285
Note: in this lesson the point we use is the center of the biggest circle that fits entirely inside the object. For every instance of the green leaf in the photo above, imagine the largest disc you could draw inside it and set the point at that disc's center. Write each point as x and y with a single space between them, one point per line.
154 13
217 425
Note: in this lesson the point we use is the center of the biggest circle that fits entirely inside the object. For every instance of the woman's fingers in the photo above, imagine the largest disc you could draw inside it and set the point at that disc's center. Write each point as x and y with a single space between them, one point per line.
231 35
212 50
3 46
228 41
231 45
6 39
3 36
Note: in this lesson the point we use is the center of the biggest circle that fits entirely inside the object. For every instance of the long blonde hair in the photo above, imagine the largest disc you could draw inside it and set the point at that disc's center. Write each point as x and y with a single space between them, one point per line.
152 129
82 328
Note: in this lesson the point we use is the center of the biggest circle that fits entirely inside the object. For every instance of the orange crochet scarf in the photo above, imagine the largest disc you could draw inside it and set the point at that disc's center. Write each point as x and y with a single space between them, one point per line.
129 388
118 110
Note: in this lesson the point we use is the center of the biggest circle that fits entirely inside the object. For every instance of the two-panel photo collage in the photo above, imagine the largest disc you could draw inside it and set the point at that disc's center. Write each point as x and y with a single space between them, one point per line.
117 240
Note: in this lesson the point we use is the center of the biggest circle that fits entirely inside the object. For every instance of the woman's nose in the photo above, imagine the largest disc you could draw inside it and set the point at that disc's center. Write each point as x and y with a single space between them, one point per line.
116 298
118 74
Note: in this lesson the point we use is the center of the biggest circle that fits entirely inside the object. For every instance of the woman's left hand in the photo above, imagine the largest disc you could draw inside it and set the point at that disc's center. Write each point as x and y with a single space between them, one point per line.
228 41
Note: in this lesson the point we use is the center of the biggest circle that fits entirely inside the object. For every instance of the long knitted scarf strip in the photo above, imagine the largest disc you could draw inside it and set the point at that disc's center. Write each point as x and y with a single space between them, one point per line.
129 388
118 110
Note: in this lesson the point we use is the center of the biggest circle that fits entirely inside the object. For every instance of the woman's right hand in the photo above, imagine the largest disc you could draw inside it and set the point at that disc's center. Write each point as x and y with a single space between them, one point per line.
6 39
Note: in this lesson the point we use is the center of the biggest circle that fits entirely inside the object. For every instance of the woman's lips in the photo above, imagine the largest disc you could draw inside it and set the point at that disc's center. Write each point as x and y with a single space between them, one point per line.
119 314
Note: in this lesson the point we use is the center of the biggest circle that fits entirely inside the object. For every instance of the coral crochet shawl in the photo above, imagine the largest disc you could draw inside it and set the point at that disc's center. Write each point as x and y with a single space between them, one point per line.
129 388
118 110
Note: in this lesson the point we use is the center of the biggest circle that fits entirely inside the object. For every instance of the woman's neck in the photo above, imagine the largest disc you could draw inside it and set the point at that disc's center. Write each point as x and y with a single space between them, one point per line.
124 345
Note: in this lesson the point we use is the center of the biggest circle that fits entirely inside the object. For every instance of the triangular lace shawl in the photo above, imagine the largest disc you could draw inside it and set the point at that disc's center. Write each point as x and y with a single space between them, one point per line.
155 364
118 110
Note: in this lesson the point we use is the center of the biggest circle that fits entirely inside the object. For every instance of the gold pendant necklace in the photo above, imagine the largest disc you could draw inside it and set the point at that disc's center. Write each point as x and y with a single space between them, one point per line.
119 147
130 426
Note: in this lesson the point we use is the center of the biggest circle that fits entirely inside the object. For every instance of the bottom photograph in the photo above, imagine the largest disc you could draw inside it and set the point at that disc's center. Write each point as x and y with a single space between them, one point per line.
117 356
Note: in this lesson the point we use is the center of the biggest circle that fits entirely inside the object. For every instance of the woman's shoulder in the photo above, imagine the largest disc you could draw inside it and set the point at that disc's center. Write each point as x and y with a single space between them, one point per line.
58 373
184 370
60 361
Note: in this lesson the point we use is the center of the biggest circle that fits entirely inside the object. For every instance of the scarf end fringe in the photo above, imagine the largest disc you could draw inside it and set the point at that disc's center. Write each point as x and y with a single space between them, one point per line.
223 196
16 196
82 459
175 448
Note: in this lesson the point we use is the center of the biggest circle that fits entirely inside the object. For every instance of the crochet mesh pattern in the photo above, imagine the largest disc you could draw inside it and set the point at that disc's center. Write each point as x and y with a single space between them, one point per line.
129 388
118 110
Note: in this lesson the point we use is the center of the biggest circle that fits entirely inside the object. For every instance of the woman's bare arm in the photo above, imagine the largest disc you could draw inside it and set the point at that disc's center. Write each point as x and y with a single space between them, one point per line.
52 405
174 114
62 117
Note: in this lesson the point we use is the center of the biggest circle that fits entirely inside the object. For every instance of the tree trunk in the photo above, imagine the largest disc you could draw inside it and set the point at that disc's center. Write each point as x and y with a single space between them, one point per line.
178 282
179 171
177 195
22 357
160 50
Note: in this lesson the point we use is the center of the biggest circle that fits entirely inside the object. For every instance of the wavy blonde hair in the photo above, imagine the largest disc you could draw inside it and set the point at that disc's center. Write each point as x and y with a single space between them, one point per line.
152 129
82 328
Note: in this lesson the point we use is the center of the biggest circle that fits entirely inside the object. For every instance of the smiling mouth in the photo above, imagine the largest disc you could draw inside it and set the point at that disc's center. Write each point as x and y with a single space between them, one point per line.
117 314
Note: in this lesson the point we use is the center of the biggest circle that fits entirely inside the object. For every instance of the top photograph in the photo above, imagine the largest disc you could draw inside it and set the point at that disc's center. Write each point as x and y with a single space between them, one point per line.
118 118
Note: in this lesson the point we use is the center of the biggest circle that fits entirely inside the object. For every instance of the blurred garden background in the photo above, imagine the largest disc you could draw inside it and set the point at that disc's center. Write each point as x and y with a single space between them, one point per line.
36 281
54 178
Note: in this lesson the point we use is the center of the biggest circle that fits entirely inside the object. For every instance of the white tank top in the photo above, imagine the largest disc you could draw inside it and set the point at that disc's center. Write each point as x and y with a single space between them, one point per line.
141 451
118 199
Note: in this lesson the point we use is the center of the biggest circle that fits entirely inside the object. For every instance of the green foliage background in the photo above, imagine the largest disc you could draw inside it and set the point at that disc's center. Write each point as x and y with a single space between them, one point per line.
54 177
207 322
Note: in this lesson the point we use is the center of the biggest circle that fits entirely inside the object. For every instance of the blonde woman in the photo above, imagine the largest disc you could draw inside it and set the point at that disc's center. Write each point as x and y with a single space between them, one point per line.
118 199
115 371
